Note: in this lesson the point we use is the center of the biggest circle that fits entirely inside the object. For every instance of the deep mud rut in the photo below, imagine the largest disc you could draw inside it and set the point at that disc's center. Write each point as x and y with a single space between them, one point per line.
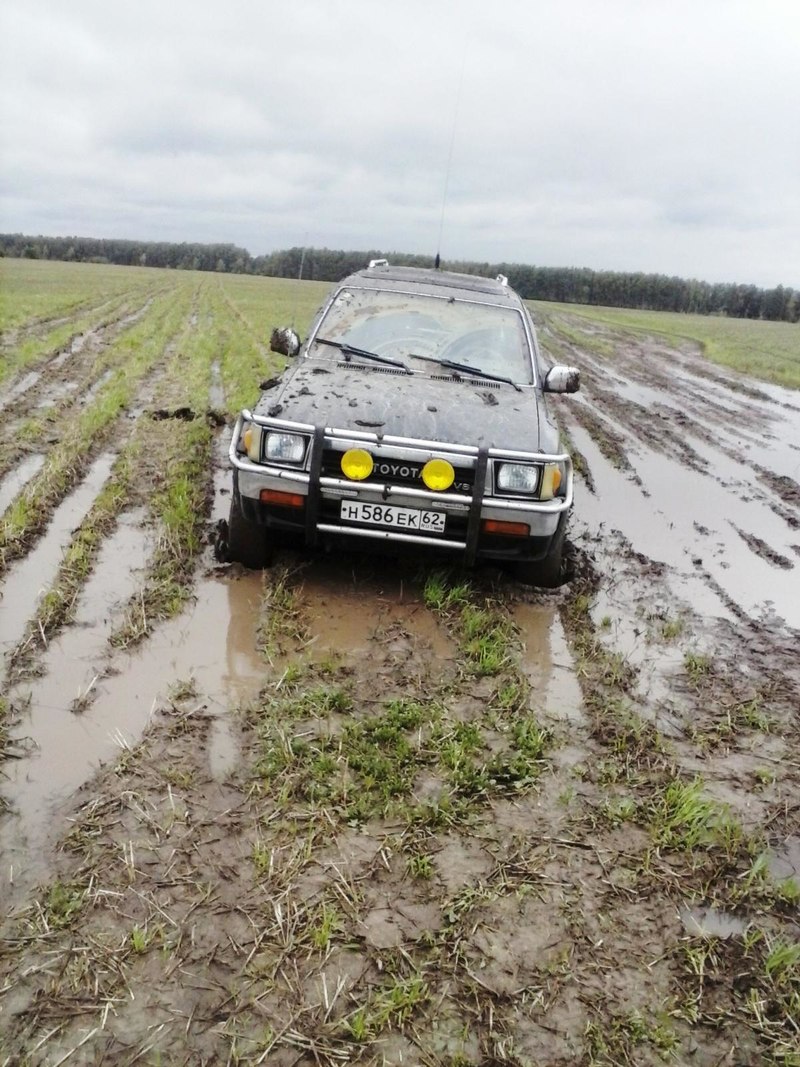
357 810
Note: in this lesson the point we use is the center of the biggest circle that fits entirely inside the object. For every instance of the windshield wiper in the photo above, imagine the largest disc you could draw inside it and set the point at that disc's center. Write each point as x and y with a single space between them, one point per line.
464 368
350 350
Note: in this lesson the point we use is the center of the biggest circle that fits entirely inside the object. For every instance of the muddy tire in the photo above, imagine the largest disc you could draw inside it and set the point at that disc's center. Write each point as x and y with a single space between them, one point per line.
248 543
546 573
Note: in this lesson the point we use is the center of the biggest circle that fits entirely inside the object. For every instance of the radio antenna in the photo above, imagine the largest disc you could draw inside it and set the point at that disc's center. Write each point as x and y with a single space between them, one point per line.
449 166
299 279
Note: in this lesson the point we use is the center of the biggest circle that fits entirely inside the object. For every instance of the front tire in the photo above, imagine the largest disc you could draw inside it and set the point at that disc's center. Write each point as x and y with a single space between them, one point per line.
248 543
547 573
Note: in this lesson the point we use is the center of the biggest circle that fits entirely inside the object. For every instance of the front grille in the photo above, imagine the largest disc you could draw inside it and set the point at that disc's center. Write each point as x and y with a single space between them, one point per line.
396 472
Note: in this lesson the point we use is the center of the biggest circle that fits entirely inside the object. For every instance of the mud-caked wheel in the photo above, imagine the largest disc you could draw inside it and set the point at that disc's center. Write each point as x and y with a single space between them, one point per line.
546 573
248 543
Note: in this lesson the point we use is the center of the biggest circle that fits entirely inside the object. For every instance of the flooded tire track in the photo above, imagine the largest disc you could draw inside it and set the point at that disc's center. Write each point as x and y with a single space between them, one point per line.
24 583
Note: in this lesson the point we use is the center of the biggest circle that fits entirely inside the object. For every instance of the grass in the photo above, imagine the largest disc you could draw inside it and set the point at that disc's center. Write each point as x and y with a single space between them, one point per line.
680 817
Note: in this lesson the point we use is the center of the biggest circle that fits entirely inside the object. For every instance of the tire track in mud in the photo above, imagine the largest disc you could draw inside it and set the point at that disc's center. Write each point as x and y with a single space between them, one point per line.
25 370
75 441
697 467
83 704
65 383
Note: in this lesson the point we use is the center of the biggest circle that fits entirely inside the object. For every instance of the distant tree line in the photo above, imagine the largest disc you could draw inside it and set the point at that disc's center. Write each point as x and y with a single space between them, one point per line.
569 285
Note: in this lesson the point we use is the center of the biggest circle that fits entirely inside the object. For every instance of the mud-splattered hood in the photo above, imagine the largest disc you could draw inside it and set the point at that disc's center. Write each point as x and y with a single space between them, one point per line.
362 397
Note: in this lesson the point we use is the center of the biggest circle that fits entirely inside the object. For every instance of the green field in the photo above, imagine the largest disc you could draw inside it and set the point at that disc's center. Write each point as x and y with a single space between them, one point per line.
766 350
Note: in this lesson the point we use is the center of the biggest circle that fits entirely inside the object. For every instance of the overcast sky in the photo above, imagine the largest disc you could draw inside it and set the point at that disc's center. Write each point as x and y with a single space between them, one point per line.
653 135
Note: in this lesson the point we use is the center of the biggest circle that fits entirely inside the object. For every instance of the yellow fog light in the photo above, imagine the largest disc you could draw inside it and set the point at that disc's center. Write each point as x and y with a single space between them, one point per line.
438 474
357 464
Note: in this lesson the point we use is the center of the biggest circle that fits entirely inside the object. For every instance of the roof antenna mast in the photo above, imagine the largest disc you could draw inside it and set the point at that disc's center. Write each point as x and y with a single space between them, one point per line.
449 166
299 278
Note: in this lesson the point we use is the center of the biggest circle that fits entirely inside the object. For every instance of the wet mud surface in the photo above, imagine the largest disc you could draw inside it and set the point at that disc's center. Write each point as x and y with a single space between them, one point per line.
366 810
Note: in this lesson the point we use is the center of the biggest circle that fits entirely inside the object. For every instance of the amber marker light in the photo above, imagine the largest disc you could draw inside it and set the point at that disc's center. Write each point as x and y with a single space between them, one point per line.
551 481
357 464
438 474
507 529
283 500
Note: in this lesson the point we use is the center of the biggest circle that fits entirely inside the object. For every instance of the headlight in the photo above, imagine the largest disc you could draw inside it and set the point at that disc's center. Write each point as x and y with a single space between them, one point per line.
285 447
517 477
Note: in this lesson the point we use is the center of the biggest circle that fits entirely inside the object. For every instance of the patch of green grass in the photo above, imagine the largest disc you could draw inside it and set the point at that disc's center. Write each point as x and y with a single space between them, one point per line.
420 866
391 1004
760 976
142 937
485 640
62 905
325 924
511 698
671 629
764 776
758 885
615 1040
441 594
697 666
681 817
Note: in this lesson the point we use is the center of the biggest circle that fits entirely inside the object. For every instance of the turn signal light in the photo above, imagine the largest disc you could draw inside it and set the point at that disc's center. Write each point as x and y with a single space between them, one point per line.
507 529
282 500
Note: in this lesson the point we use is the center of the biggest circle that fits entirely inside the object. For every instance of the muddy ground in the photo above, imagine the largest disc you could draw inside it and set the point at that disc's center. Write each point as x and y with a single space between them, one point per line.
364 810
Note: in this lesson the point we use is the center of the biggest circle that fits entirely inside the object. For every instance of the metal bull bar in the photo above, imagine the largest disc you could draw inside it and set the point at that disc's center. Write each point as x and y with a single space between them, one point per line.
314 482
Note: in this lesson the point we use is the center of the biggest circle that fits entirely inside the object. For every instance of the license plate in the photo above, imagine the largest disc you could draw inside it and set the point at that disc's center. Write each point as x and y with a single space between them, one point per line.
388 515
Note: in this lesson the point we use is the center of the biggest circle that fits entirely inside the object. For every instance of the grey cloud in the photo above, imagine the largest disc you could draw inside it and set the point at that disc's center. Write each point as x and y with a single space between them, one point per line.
620 135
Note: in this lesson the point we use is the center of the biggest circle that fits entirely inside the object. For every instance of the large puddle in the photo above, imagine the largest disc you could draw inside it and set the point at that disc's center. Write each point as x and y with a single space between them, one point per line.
211 645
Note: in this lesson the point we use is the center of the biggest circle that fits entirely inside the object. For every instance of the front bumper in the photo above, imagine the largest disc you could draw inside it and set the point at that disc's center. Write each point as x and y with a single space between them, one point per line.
318 518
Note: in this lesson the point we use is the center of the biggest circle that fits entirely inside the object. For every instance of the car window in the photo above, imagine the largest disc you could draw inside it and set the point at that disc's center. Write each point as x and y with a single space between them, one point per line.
399 325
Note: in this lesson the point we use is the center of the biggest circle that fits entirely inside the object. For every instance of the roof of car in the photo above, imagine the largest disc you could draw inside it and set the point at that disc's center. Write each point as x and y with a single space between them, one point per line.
388 277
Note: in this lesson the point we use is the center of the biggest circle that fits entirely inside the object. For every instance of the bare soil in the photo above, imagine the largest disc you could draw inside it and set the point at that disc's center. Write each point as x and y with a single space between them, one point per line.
303 822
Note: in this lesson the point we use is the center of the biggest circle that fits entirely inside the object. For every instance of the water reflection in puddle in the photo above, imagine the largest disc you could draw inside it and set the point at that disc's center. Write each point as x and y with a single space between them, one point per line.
547 661
17 479
709 922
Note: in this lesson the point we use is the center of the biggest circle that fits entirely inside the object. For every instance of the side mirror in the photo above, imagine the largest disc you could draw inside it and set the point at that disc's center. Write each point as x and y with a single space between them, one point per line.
560 379
285 341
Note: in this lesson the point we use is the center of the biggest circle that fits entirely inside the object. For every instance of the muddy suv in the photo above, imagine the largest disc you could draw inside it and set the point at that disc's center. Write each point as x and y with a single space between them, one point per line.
413 416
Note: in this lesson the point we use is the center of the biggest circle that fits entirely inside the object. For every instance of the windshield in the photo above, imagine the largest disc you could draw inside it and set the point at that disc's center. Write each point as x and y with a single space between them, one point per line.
400 326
